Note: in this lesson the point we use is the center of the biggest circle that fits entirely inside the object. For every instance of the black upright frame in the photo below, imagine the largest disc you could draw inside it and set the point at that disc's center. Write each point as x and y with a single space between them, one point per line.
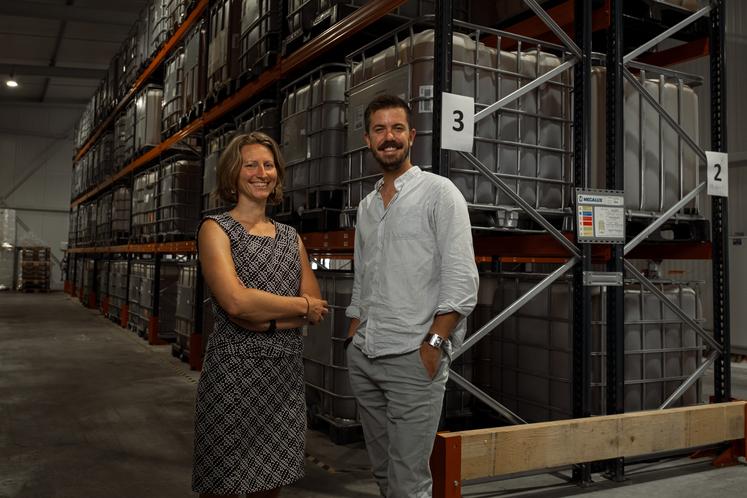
719 235
615 180
441 80
581 390
719 208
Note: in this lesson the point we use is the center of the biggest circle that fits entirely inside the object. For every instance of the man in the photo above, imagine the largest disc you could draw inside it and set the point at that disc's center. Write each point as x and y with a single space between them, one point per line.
415 283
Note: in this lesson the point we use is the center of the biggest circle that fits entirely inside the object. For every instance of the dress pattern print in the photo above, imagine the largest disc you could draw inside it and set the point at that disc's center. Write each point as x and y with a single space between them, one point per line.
250 418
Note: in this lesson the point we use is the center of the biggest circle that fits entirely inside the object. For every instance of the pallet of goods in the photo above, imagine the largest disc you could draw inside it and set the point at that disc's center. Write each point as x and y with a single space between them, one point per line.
33 269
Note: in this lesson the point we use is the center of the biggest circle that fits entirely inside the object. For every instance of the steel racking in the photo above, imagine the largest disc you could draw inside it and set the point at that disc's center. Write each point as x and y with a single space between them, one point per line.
587 19
285 67
579 257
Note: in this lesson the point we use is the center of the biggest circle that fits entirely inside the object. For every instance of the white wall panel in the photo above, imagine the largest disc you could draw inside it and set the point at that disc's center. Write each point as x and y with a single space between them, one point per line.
58 121
738 286
43 158
52 158
737 200
738 255
7 160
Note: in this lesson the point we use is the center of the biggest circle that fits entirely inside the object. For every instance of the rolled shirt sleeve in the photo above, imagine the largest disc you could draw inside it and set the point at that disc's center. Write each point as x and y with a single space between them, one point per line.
353 310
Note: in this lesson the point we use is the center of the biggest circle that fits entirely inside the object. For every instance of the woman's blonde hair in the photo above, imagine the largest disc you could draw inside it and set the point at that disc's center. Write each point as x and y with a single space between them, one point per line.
229 166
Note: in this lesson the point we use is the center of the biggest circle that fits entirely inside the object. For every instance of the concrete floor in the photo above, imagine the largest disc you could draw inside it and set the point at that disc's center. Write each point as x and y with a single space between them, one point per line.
88 409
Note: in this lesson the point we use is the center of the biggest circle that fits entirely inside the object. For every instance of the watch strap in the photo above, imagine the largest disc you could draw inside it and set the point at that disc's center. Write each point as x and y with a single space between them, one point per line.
434 340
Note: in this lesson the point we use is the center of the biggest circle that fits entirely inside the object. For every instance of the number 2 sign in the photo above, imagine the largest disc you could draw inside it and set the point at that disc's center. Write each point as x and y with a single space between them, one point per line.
718 173
457 122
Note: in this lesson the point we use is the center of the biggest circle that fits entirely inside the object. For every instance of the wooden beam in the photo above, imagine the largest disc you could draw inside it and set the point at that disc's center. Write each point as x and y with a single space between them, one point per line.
508 450
446 468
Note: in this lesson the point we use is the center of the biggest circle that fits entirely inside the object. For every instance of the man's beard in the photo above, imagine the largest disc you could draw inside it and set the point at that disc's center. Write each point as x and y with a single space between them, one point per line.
391 163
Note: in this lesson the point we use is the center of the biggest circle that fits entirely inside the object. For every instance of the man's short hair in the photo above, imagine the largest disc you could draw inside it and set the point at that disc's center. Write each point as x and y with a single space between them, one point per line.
386 102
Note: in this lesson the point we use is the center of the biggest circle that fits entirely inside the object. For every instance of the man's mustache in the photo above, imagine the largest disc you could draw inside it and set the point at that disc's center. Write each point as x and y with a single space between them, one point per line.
390 143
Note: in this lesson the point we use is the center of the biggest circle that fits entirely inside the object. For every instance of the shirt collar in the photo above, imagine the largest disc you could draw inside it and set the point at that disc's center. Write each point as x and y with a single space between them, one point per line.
402 179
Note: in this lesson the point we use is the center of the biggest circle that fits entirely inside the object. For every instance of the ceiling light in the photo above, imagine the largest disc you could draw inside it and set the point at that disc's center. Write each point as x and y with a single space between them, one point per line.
11 82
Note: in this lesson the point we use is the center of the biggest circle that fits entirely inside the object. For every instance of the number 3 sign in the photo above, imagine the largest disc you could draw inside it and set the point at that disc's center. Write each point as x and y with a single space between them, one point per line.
457 122
718 173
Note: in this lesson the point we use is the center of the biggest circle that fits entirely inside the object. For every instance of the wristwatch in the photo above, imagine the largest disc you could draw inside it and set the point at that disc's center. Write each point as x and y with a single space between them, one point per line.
434 340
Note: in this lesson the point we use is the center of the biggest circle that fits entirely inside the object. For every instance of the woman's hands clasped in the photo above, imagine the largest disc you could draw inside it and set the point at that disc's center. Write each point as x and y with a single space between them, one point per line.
317 309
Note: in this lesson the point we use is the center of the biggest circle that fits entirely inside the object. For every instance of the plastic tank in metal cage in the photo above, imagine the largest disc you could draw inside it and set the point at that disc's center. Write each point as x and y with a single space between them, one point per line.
178 198
120 215
102 284
124 137
313 144
184 315
104 220
262 116
173 90
137 321
215 142
145 205
660 168
526 363
117 288
148 113
223 44
260 35
176 13
527 143
158 23
308 18
195 65
328 391
142 298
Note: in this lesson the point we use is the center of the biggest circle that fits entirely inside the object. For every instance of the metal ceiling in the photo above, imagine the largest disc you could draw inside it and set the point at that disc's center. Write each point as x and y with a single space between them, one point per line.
59 50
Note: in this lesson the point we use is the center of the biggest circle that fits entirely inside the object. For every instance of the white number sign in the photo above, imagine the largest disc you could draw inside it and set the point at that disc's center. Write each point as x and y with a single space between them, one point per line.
457 122
718 173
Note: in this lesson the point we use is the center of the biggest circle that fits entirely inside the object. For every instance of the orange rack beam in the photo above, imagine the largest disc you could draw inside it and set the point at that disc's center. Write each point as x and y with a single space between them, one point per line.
531 248
562 14
319 243
183 247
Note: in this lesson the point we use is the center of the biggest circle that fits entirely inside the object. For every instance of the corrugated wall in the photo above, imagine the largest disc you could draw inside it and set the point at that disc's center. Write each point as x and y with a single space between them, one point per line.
35 173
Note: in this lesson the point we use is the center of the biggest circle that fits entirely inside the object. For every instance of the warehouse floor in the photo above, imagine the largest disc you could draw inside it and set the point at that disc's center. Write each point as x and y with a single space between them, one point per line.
88 409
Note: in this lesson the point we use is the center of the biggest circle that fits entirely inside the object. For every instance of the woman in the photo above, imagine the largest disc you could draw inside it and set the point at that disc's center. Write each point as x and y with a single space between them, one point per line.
250 419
